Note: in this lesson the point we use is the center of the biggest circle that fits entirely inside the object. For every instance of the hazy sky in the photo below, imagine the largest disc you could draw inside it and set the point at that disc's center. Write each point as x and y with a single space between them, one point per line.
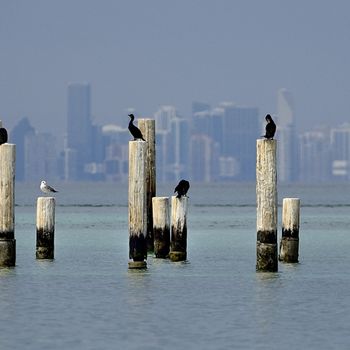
146 53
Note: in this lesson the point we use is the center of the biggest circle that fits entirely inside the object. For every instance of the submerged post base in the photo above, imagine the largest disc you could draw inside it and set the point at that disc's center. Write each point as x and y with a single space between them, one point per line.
44 252
266 260
137 265
289 250
177 256
7 252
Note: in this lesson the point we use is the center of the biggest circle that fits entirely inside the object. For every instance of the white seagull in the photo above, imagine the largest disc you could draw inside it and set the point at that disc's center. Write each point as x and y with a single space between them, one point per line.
46 188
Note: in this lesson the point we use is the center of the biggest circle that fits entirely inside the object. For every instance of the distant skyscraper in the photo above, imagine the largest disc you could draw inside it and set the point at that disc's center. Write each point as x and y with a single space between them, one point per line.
18 136
199 107
79 128
179 148
240 131
340 144
40 157
163 118
202 153
315 162
287 138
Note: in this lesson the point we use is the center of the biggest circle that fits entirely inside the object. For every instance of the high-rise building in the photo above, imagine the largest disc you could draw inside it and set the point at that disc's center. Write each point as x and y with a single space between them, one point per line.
40 157
287 138
340 144
18 136
79 127
163 118
178 152
315 160
240 131
202 154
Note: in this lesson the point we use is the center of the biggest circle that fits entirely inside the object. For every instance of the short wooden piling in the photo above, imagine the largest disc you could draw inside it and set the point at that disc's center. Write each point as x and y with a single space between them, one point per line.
148 129
178 245
137 205
289 245
7 205
161 226
45 228
266 193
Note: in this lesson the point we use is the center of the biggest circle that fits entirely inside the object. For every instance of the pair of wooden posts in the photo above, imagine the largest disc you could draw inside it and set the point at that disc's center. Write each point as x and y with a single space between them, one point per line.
149 219
45 213
266 192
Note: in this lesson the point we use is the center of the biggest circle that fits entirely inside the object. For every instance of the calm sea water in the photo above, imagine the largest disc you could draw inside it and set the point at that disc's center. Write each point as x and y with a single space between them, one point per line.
88 299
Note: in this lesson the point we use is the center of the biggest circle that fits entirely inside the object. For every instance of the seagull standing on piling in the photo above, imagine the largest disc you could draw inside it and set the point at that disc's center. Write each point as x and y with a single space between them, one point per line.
46 188
134 130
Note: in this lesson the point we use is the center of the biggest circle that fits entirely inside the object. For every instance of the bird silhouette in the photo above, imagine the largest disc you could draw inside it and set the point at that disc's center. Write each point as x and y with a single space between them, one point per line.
3 136
270 128
134 130
182 188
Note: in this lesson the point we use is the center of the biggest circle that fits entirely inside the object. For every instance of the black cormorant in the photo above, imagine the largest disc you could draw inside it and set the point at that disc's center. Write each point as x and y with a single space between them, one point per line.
182 188
134 130
270 128
3 136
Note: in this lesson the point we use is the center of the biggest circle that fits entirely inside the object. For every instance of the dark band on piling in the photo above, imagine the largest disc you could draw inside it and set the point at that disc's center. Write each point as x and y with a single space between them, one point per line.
137 247
267 237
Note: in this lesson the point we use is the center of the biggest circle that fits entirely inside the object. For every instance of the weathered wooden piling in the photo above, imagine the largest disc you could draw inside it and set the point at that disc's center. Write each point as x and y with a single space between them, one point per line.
7 205
178 245
137 204
289 245
45 228
148 129
161 226
266 195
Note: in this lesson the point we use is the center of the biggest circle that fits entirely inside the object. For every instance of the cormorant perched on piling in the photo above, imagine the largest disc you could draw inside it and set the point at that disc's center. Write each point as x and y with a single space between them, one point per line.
134 130
270 128
3 136
182 188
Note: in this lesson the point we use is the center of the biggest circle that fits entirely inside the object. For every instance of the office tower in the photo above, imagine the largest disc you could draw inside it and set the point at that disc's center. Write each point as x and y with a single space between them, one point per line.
178 152
315 160
340 145
116 140
163 118
18 136
217 127
240 131
287 138
202 158
40 158
79 126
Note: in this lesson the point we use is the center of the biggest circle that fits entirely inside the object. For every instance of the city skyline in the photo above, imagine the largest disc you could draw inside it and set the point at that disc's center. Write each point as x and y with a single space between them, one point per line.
145 54
215 143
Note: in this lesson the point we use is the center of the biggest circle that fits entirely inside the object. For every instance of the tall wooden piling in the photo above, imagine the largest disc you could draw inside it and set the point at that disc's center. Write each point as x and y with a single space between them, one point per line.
161 226
289 246
266 196
178 245
137 204
148 129
7 205
45 228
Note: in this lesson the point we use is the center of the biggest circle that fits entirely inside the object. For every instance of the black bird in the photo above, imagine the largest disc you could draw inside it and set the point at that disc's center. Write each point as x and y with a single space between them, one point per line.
182 188
134 130
3 136
270 128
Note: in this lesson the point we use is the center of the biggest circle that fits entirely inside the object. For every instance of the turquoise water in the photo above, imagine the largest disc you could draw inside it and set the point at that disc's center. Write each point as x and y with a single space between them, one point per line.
88 299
